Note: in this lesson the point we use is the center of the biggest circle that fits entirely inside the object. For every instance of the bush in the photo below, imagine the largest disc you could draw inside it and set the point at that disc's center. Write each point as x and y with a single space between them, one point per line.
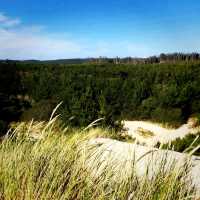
187 144
194 120
40 111
167 115
3 126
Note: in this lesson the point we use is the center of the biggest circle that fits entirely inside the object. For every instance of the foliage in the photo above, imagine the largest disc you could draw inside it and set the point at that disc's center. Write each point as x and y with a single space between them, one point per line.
186 144
10 87
166 92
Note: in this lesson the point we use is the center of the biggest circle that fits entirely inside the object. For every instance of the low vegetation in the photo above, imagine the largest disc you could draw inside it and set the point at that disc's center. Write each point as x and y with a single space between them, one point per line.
145 133
53 166
187 144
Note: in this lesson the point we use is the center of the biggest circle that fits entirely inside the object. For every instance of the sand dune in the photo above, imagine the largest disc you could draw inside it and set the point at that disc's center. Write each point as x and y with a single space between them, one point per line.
159 134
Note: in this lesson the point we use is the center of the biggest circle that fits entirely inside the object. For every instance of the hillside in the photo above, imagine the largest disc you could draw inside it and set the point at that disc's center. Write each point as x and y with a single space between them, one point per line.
166 93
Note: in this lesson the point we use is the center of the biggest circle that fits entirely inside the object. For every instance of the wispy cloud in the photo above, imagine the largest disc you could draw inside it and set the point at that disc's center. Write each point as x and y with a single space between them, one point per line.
6 21
32 42
29 45
20 41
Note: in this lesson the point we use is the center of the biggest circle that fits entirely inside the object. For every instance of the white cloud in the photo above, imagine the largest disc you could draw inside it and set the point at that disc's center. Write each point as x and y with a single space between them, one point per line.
18 41
34 43
6 21
28 45
31 42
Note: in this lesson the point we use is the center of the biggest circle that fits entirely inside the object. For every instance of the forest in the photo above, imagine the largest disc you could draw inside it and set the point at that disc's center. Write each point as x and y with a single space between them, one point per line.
167 92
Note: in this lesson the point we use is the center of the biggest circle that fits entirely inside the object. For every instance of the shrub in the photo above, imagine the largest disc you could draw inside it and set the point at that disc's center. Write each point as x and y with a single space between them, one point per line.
167 115
187 144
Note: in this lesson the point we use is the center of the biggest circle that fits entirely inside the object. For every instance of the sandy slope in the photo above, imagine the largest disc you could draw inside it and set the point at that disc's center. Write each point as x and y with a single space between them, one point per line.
160 134
121 156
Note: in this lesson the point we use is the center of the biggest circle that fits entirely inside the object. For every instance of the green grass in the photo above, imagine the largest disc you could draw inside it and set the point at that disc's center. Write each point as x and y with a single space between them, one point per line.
53 166
187 144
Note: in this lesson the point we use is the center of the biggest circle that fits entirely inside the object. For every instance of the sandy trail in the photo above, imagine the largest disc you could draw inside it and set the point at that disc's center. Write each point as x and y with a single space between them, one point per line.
160 134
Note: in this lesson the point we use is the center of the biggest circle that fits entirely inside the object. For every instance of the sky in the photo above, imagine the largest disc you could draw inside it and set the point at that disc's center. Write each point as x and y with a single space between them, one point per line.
59 29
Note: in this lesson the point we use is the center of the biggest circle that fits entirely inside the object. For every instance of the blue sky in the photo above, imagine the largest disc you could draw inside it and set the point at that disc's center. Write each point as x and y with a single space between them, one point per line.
53 29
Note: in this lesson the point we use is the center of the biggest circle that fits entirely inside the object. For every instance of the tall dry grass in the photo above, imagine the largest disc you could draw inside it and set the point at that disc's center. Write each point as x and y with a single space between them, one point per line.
44 161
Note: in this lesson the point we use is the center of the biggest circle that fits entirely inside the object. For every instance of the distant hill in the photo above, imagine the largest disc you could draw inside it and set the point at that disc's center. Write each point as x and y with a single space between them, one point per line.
67 61
59 61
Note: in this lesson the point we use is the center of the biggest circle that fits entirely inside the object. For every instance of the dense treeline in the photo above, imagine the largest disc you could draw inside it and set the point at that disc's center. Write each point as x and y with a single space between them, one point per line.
167 92
162 58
